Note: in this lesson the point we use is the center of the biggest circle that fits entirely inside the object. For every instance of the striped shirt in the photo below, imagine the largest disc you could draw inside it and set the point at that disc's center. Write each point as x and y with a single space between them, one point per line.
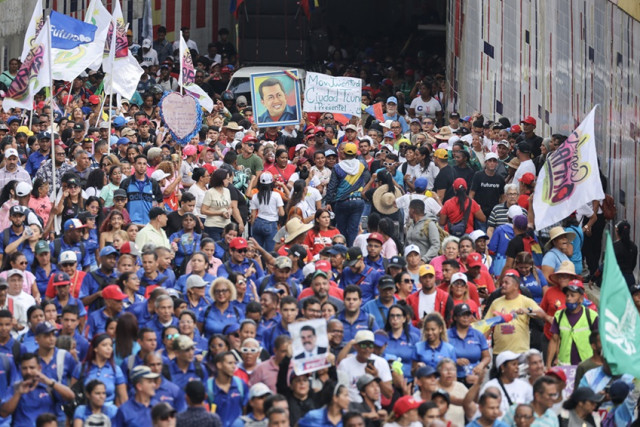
498 215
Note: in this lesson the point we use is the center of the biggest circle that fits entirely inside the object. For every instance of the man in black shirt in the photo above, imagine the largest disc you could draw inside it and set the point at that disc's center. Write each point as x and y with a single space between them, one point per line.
528 136
443 184
174 219
487 186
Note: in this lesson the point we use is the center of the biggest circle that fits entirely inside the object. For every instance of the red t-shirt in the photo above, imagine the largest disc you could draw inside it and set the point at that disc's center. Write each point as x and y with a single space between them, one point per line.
318 241
453 213
473 291
472 305
553 300
280 174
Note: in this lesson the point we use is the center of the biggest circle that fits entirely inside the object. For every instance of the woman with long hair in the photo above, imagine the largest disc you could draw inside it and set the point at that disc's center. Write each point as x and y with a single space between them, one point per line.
319 237
626 251
210 249
216 205
40 203
129 283
428 168
96 395
216 344
434 345
472 350
71 202
126 342
455 210
107 161
387 228
330 414
41 266
8 199
531 277
112 224
246 290
304 201
95 182
405 285
99 364
35 316
169 334
282 169
401 342
17 260
113 183
230 232
449 382
26 243
266 208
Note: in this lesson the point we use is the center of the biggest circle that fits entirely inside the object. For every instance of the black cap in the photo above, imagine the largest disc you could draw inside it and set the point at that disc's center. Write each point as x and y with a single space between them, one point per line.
353 255
297 250
156 212
397 261
523 147
634 288
440 392
78 126
162 410
583 394
461 309
454 115
119 193
386 282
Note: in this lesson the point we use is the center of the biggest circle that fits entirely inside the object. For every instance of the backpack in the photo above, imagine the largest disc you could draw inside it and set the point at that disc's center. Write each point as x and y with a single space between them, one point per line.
459 228
57 247
609 209
441 232
167 374
533 247
211 394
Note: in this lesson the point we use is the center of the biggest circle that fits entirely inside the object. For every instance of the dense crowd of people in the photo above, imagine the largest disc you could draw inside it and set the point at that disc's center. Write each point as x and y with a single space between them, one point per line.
146 282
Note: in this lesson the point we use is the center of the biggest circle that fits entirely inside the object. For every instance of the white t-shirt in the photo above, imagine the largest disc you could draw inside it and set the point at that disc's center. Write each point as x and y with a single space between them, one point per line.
349 370
428 108
150 56
186 170
268 212
525 167
21 304
199 193
519 391
308 202
431 207
426 304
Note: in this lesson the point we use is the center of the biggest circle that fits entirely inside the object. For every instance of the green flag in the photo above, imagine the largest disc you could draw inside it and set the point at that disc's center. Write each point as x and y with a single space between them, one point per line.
619 321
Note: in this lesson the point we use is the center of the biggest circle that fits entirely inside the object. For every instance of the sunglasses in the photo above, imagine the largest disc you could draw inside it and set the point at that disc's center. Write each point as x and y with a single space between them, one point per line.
366 345
250 350
388 164
396 316
241 251
407 280
172 337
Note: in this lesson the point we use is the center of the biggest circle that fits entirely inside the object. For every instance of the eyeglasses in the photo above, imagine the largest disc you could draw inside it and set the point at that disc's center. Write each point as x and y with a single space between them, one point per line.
250 350
396 316
171 336
241 251
523 417
366 345
388 164
22 263
427 123
235 335
220 291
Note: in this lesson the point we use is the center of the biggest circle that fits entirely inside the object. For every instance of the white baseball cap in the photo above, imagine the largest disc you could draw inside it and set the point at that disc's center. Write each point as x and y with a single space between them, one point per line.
411 248
266 178
23 189
159 175
11 152
506 356
458 276
67 257
477 234
490 156
514 211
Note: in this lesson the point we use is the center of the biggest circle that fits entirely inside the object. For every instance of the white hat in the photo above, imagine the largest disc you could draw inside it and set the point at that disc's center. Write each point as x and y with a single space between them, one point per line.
23 189
506 356
146 43
11 152
411 248
490 156
453 140
477 234
386 124
308 269
514 211
195 281
67 257
458 276
266 178
159 175
364 336
444 145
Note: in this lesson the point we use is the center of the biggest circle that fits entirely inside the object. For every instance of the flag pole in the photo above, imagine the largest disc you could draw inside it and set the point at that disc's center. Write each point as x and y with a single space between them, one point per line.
52 150
181 61
112 54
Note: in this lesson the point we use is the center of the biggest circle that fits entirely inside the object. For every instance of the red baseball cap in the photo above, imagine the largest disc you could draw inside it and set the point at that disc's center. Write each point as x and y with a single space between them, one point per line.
376 236
310 129
405 404
238 243
527 178
113 292
320 129
459 182
516 129
558 373
67 99
474 259
574 285
323 265
249 138
94 99
209 168
529 120
512 273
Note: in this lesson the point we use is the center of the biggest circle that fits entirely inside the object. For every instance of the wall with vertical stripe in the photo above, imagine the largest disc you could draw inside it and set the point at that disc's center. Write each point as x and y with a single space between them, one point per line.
554 60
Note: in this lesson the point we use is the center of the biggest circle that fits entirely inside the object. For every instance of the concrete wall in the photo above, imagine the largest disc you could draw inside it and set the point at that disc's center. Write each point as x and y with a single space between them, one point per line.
554 60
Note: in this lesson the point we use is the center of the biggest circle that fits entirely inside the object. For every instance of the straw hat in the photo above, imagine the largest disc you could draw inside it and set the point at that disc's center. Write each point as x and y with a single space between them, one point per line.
385 201
566 267
233 126
514 163
445 133
556 232
296 227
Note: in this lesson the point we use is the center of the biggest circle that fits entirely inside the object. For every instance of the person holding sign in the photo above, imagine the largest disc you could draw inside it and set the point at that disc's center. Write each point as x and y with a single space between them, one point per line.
274 99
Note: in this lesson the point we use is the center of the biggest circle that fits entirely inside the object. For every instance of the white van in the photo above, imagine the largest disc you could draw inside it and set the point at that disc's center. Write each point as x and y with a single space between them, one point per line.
240 81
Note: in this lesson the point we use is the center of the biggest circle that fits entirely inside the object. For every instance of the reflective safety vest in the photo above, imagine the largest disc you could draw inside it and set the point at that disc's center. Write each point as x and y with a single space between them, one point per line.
578 334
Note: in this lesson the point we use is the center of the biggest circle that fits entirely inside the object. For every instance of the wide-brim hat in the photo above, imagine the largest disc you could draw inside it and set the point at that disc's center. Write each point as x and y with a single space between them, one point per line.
566 267
556 232
296 227
514 163
384 200
233 126
445 133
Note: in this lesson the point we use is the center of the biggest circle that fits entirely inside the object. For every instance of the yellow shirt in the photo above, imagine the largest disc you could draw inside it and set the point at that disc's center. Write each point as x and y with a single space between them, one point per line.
512 335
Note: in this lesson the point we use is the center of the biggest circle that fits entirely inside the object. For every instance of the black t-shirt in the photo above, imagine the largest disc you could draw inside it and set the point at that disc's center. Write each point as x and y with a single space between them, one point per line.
515 246
174 224
464 173
488 190
243 206
444 180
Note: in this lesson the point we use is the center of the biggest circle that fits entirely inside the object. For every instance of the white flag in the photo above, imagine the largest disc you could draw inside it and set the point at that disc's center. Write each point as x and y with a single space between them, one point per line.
99 16
188 75
33 75
569 177
127 71
35 24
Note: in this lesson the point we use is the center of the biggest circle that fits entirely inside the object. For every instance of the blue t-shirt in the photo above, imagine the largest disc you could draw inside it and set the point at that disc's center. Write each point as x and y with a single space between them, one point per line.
83 412
111 377
432 356
403 348
535 286
140 199
471 348
215 321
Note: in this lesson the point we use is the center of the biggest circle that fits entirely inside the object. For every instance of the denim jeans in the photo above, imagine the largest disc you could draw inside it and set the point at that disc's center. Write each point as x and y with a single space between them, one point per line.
264 231
214 232
348 214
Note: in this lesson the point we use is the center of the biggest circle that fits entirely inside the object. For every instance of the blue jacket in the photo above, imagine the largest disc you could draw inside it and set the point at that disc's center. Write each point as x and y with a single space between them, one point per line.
343 185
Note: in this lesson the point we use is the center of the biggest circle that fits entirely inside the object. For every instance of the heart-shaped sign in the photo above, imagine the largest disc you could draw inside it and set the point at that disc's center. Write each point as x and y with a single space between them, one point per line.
182 115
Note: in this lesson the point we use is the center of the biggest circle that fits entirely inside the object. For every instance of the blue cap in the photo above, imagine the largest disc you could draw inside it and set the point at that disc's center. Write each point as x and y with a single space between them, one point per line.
426 371
119 122
44 135
123 141
466 119
337 249
392 99
231 328
390 134
421 183
108 250
380 338
13 119
45 328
